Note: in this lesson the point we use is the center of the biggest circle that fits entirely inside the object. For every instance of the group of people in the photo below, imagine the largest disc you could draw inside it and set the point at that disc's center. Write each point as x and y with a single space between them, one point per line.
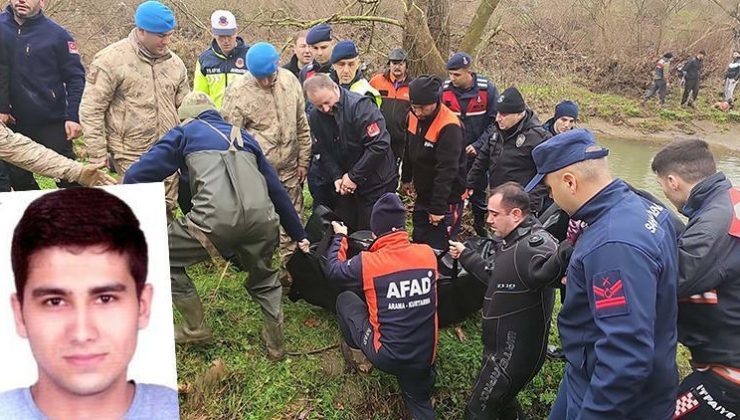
236 151
691 74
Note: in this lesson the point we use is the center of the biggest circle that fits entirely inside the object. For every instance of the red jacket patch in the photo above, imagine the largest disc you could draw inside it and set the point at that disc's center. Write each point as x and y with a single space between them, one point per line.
373 129
72 47
609 296
735 223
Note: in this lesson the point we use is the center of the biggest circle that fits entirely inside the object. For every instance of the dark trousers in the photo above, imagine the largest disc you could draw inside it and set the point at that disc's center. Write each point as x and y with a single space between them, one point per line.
690 86
4 177
321 189
355 209
436 236
700 389
659 87
52 136
416 384
478 200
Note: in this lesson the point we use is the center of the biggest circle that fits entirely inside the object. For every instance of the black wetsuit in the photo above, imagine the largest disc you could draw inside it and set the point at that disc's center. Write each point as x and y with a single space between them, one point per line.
516 318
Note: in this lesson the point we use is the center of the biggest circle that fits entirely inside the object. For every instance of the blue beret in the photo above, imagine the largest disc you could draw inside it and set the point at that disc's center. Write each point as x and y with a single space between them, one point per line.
459 60
153 16
344 50
566 109
262 59
563 150
319 33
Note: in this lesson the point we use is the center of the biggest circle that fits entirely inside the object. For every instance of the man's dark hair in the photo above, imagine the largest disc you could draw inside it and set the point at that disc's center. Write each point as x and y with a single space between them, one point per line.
513 196
690 159
702 52
75 219
668 55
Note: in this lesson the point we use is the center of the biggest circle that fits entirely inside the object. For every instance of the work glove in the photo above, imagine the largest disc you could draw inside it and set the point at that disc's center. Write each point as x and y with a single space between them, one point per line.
92 176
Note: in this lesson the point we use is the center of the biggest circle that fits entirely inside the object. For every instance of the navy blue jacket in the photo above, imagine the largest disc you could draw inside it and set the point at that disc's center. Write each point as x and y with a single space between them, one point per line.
399 281
618 321
709 268
475 122
168 154
47 77
354 140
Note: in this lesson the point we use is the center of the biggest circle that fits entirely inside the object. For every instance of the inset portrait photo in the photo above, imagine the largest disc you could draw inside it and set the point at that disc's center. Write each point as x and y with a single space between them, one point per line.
85 305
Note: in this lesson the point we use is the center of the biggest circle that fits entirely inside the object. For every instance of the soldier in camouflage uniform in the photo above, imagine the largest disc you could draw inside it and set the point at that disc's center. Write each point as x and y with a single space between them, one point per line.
268 102
27 154
133 89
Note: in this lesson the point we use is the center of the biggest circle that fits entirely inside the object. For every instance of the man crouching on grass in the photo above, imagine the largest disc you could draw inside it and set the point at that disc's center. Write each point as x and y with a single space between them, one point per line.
80 265
397 328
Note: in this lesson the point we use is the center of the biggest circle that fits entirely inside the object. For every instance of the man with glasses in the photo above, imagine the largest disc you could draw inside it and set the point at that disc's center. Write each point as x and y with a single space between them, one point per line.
268 102
133 90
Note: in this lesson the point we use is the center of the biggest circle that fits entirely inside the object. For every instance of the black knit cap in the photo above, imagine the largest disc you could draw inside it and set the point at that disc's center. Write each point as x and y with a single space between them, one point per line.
388 213
424 90
510 102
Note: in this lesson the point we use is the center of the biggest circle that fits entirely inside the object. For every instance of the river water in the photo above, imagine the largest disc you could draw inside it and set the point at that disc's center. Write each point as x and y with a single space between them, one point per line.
630 161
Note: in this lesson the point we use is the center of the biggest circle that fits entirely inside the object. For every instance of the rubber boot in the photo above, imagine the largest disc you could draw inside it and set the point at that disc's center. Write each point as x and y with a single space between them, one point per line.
479 224
272 336
193 329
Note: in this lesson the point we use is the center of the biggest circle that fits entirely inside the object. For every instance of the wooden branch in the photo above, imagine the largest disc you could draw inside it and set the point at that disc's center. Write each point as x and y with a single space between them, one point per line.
473 36
183 8
305 24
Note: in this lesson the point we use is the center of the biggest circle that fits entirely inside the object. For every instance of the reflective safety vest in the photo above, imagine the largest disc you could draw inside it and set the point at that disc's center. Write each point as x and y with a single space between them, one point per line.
363 87
476 106
444 117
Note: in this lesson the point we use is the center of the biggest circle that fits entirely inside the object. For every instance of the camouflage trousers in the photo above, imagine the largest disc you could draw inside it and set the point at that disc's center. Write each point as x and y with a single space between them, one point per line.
124 160
289 179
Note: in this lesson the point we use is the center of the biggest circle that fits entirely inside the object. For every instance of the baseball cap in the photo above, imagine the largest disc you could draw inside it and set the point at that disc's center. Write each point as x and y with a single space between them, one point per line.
564 150
223 22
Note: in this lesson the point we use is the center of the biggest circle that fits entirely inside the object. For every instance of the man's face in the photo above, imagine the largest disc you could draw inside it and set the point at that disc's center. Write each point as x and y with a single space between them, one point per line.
506 121
302 51
564 124
423 112
267 82
347 69
670 185
324 99
736 55
700 56
561 188
461 78
321 51
227 43
157 44
26 8
398 69
502 221
81 316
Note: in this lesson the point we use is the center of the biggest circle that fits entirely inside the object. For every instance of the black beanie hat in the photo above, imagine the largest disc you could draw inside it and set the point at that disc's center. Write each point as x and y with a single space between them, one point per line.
510 102
388 213
424 90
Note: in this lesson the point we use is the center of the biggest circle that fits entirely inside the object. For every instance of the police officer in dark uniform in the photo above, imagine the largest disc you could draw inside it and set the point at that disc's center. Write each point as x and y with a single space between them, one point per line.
434 165
507 153
354 147
618 323
709 278
518 302
397 328
473 98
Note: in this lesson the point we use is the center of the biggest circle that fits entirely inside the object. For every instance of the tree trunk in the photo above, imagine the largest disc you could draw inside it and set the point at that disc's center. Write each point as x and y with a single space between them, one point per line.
438 13
474 34
424 56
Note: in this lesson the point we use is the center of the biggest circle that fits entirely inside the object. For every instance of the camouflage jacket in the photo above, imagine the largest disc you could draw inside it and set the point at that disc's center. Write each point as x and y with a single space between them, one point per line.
130 100
31 156
276 117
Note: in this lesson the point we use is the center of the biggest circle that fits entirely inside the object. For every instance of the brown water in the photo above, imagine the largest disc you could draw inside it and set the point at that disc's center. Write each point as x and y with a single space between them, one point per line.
630 161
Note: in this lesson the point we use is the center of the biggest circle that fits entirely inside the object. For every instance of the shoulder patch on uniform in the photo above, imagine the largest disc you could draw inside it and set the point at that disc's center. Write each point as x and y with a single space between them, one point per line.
373 129
609 296
685 404
536 240
735 223
92 75
72 47
520 140
239 63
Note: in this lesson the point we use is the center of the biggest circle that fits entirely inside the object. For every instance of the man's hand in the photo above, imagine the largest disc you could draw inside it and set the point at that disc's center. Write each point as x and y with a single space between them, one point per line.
456 249
470 150
304 245
302 173
407 188
91 176
339 228
435 219
7 119
338 186
73 130
348 186
469 192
